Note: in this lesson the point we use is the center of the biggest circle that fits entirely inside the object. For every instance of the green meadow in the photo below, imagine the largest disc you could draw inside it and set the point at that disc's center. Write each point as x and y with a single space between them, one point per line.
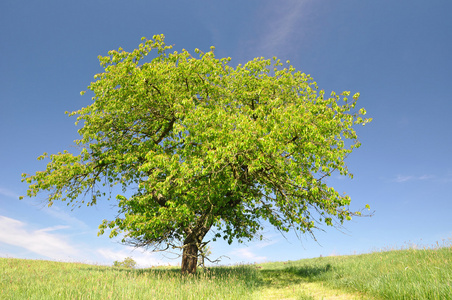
397 274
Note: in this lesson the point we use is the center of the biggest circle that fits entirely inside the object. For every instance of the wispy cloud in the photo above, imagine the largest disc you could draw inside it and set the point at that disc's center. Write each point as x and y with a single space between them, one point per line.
143 259
403 178
49 243
268 242
246 254
8 193
406 178
40 241
53 211
53 228
249 254
57 213
282 23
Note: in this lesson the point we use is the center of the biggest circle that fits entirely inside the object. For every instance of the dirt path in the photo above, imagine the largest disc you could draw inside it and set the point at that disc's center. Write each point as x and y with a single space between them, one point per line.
307 290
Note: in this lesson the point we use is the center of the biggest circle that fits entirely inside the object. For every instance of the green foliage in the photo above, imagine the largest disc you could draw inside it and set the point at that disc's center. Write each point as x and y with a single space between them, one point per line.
128 263
205 145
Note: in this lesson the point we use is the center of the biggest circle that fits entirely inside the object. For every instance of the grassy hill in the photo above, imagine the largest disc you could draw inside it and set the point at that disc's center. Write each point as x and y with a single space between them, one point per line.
401 274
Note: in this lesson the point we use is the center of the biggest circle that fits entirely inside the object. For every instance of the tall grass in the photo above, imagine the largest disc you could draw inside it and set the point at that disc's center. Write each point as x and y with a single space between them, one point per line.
29 279
399 274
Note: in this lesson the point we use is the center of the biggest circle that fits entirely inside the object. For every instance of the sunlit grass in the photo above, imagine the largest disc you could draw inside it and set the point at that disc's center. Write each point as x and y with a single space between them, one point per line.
399 274
33 279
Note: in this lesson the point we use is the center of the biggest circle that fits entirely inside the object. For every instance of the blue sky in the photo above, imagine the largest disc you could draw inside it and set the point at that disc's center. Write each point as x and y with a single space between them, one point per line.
395 53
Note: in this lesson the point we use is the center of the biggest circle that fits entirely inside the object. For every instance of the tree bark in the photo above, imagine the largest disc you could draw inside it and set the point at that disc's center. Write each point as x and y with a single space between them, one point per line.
192 243
189 257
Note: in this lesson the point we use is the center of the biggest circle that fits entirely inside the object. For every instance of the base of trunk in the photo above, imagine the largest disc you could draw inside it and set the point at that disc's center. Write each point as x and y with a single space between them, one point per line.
189 259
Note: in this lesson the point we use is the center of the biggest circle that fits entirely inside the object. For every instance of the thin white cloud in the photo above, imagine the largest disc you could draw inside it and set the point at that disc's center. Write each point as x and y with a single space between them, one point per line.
144 259
406 178
402 178
8 193
57 213
42 241
282 23
426 177
46 242
266 243
247 255
53 228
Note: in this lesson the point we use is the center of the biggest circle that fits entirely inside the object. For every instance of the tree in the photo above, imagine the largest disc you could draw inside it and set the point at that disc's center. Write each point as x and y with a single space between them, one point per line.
206 147
128 263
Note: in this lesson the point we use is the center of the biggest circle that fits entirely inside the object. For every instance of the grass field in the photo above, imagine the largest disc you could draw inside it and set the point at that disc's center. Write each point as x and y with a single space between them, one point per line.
399 274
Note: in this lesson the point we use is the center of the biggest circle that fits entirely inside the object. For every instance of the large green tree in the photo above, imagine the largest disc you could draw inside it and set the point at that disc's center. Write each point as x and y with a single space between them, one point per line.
205 146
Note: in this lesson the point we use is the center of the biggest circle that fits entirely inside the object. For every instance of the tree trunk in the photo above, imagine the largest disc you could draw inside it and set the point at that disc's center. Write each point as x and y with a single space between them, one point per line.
192 242
189 258
191 248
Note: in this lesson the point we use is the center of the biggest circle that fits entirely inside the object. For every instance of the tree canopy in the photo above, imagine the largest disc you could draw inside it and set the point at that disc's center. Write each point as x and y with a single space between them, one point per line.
205 146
